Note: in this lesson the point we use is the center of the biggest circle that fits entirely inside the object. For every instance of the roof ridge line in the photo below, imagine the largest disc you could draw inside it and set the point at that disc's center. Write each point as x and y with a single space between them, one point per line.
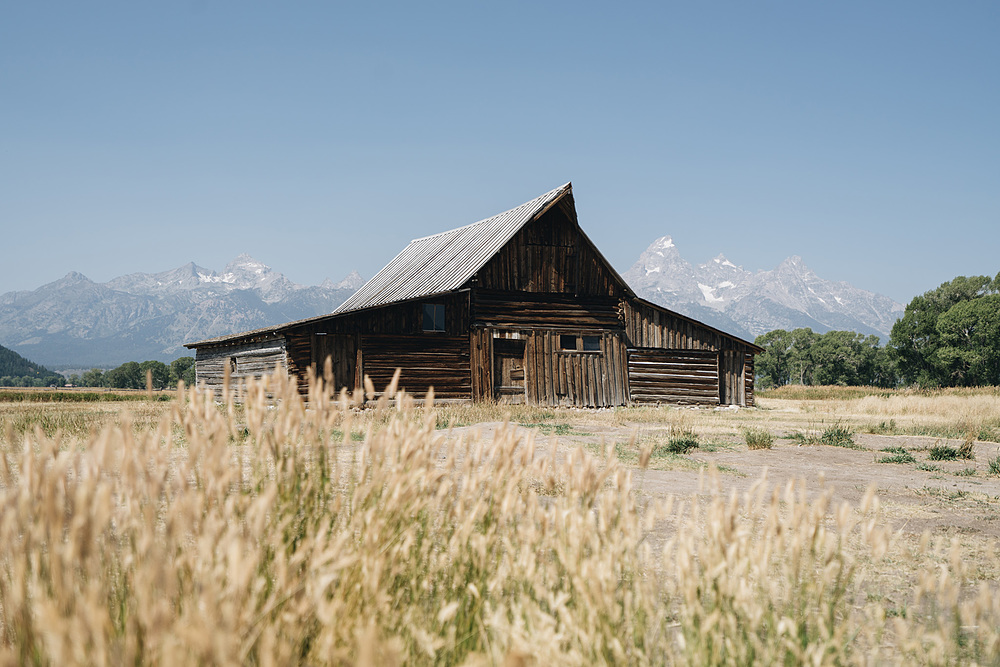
566 186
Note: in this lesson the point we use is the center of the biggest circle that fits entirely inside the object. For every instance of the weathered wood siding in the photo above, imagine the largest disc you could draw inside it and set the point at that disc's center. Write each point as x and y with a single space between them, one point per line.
686 377
732 383
584 379
550 256
495 308
311 350
546 282
424 361
253 359
649 326
552 375
360 343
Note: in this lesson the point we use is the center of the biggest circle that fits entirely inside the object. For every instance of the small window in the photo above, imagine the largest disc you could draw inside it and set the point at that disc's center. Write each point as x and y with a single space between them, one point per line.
591 343
233 366
433 317
567 342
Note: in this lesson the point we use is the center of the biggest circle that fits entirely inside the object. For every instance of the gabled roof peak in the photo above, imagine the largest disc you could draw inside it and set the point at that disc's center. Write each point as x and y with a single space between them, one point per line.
445 261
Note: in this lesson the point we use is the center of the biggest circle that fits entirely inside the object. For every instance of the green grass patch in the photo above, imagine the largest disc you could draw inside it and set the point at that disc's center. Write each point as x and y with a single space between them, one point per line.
716 447
883 428
943 453
839 436
48 396
553 429
356 436
678 444
661 457
967 472
896 455
993 467
798 392
758 438
803 438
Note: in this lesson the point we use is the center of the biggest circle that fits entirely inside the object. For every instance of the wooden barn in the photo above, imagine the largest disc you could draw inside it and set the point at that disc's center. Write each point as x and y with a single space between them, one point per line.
520 307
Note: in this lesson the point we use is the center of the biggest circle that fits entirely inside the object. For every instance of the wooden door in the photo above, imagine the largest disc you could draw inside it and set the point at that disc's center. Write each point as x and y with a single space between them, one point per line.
342 350
509 370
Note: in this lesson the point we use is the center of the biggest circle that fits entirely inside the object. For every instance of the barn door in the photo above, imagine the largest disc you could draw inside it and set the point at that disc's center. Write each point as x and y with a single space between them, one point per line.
508 370
342 350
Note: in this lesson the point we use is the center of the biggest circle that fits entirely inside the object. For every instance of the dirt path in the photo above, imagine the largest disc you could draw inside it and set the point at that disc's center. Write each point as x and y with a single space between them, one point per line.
945 497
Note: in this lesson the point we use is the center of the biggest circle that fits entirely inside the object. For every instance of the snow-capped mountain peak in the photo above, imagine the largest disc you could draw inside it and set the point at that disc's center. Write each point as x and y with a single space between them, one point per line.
151 315
747 303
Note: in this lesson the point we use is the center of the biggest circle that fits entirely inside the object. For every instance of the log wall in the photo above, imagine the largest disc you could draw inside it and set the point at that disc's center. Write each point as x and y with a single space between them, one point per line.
685 377
239 362
495 308
649 326
424 361
349 339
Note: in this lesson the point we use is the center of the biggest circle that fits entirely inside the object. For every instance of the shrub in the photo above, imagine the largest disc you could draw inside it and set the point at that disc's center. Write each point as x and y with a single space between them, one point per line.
965 451
758 438
994 466
943 453
839 436
682 444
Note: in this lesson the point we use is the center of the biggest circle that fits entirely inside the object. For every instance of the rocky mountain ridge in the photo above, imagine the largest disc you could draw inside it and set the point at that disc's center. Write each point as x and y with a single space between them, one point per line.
142 316
75 321
748 303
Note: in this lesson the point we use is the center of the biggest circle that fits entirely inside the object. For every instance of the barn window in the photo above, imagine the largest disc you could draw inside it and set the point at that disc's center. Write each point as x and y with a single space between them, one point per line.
433 317
233 366
574 343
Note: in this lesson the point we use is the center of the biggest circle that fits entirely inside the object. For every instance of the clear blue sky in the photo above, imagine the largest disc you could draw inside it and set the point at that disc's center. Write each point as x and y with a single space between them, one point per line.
321 137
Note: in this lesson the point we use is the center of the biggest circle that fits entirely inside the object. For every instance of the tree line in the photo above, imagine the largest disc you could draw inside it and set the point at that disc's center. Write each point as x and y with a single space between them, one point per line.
132 375
16 371
947 337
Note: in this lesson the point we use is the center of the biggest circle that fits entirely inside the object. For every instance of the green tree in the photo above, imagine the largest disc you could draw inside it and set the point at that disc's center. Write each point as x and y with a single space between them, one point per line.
969 350
915 337
182 368
773 365
800 355
127 376
159 372
92 378
844 358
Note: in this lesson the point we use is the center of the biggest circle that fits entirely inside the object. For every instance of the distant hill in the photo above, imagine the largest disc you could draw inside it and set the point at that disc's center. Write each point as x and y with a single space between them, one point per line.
17 371
149 316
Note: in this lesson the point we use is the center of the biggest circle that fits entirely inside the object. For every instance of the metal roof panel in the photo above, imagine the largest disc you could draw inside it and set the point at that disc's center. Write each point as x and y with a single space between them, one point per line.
445 261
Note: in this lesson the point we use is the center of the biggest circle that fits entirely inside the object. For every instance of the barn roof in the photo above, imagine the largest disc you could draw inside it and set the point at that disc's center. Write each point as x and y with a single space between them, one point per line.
443 262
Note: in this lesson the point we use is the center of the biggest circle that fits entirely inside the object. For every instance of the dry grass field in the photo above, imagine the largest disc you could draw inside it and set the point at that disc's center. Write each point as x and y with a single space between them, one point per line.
825 526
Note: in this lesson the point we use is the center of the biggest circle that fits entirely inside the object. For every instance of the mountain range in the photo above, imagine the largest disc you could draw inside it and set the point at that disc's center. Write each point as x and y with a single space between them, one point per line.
149 316
748 303
140 316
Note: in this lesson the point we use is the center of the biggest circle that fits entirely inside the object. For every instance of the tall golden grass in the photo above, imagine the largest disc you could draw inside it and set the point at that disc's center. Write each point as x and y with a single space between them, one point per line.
264 534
